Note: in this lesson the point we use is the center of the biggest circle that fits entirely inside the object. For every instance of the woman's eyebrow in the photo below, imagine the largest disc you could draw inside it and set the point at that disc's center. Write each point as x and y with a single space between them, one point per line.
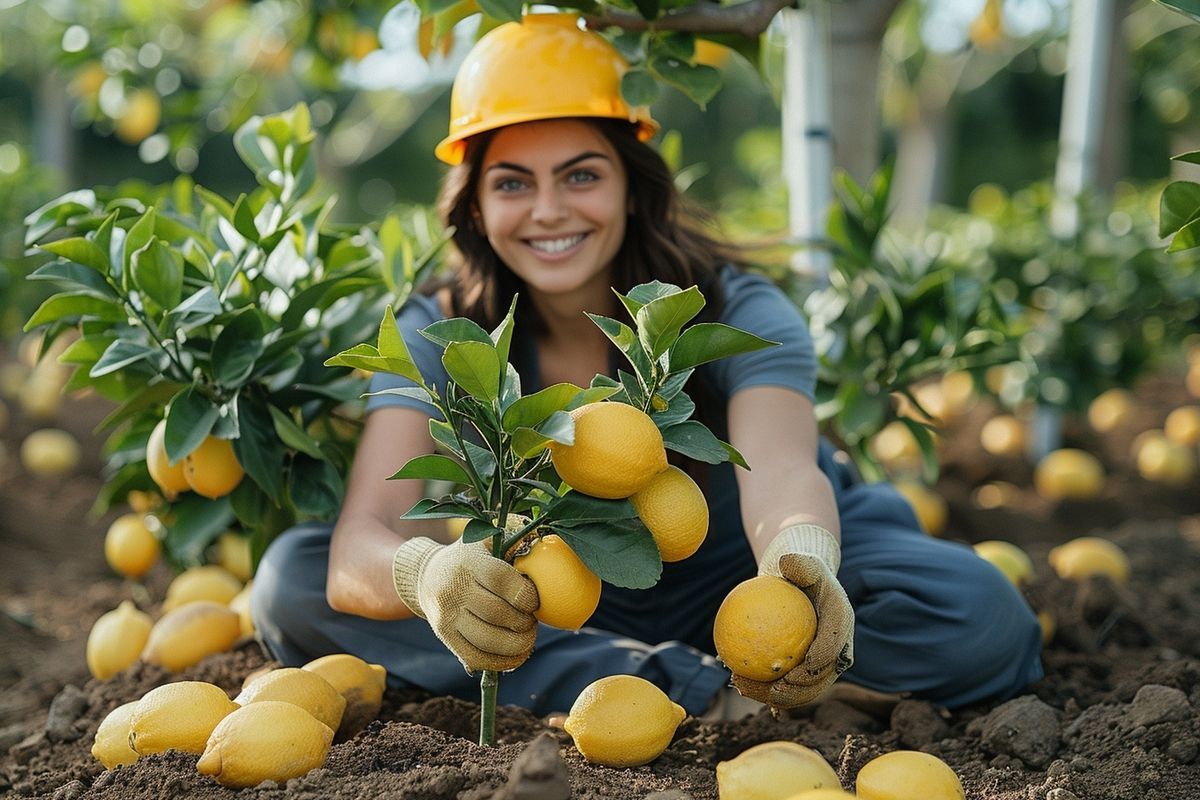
570 162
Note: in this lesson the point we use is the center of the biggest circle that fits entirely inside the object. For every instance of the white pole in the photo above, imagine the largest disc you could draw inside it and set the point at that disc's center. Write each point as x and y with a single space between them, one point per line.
807 132
1082 109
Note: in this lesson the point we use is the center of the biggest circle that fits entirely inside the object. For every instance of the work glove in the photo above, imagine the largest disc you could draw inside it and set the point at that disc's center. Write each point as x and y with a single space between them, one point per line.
478 605
808 556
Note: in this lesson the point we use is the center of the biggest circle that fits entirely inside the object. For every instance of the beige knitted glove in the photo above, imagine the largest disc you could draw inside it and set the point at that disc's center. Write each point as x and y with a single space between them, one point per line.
479 606
808 556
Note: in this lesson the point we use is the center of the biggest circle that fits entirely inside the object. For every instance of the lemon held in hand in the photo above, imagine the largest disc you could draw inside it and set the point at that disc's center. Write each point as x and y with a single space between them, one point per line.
568 592
622 721
617 450
764 628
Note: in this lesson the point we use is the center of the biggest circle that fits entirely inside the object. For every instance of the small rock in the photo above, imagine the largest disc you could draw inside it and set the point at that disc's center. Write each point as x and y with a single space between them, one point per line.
66 707
918 724
1061 794
1025 728
24 750
1184 750
10 735
670 794
70 791
538 773
1154 703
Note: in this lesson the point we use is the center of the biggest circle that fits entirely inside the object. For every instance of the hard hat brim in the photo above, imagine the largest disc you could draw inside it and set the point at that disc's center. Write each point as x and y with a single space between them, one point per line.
453 149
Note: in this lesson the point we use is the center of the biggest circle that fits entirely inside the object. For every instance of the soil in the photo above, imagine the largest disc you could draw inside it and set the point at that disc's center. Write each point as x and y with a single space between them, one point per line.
1115 716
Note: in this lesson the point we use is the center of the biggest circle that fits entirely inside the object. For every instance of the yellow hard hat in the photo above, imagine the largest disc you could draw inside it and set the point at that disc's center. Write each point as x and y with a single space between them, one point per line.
544 67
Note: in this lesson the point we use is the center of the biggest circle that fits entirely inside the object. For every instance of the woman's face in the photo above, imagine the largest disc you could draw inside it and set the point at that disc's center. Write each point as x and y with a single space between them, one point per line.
553 201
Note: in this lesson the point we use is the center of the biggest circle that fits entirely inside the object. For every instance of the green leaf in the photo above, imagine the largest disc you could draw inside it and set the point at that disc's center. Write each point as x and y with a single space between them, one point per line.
190 418
74 277
929 459
862 414
1180 204
202 303
645 293
197 522
237 348
638 87
120 354
660 321
506 10
593 394
415 392
1190 8
80 251
627 342
1188 158
86 350
502 335
364 356
243 219
477 530
396 264
72 306
475 368
439 509
1187 237
528 442
433 468
136 238
442 433
158 273
732 455
680 408
151 396
315 488
709 341
258 448
700 82
622 553
390 343
694 440
448 331
291 434
532 409
575 507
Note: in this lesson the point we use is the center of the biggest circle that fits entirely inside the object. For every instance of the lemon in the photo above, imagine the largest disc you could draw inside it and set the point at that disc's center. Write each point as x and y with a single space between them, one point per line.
929 507
168 476
300 687
896 447
958 393
823 794
674 510
455 527
617 450
1003 435
212 470
908 775
1193 379
1008 558
241 604
111 747
1182 425
1081 558
764 627
1162 460
568 592
622 721
129 546
1049 625
116 640
143 502
360 683
233 553
41 395
773 771
208 582
186 635
1069 474
49 452
265 741
177 716
141 116
1110 410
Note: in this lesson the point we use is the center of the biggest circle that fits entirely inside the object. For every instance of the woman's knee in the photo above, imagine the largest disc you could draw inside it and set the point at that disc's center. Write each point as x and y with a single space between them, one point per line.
292 569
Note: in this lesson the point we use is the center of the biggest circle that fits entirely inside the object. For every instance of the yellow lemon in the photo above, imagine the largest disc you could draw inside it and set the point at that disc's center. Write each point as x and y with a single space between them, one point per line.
116 640
141 116
168 476
896 447
674 510
823 794
111 746
143 502
617 450
193 632
1049 625
1164 461
208 582
1081 558
1183 425
241 605
1008 558
958 394
360 683
568 592
908 775
930 508
265 741
1069 474
41 396
773 771
764 627
622 721
300 687
177 716
212 470
1109 410
87 80
49 452
455 527
1193 379
1003 435
129 546
233 553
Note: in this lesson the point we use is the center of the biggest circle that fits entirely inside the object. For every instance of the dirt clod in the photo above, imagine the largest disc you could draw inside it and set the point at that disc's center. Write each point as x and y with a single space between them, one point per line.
918 724
67 706
1154 704
538 773
1025 728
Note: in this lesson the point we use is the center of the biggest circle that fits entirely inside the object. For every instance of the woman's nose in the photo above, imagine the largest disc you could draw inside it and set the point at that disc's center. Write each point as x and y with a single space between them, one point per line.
548 206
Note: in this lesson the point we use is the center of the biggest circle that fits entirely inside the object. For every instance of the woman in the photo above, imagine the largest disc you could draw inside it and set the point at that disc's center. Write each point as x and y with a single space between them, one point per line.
555 197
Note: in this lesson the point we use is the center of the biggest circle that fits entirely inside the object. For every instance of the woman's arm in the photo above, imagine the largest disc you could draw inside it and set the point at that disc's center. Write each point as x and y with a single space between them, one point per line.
776 430
369 529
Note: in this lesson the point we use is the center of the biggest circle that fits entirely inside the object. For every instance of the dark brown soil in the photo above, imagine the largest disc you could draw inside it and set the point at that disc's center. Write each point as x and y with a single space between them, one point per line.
1114 718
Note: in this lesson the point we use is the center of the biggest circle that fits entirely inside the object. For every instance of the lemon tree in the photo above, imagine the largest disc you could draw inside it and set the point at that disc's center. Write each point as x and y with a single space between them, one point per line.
547 478
206 322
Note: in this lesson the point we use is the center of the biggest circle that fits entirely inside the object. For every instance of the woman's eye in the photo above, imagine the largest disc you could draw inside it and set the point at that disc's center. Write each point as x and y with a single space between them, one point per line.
509 185
581 176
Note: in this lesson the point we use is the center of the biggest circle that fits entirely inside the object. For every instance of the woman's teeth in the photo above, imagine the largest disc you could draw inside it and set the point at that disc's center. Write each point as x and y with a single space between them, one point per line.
556 245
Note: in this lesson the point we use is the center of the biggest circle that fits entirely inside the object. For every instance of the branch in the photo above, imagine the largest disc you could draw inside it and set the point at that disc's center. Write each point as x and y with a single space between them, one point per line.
747 19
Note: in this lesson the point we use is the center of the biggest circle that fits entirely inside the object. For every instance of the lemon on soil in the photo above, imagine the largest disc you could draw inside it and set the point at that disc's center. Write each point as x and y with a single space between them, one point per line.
233 553
1183 425
116 640
360 683
1008 558
617 450
265 741
568 592
823 794
111 745
193 632
930 509
303 688
212 470
169 477
1162 460
764 628
49 452
622 721
1110 410
129 546
908 775
774 771
1003 435
1087 556
1069 474
675 512
896 447
208 582
241 605
177 716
